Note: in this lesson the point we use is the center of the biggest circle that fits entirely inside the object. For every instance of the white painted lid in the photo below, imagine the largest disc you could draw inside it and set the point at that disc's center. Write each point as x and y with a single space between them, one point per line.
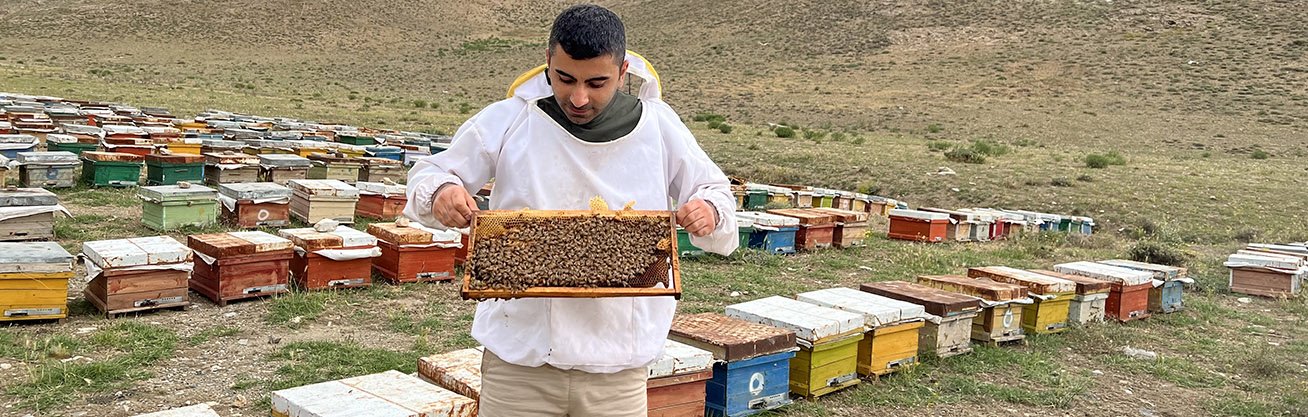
809 321
1124 276
876 310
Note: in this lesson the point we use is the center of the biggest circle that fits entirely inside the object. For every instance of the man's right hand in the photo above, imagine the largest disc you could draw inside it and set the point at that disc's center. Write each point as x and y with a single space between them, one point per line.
453 206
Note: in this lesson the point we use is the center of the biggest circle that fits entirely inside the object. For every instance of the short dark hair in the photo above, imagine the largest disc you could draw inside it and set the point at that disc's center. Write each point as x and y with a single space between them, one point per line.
586 31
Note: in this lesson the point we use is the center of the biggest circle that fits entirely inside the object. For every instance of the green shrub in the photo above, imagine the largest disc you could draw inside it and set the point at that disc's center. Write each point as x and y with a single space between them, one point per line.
785 132
938 145
934 128
1259 154
859 140
1098 161
724 128
990 148
1158 253
713 124
418 104
709 117
1060 182
838 136
965 155
814 134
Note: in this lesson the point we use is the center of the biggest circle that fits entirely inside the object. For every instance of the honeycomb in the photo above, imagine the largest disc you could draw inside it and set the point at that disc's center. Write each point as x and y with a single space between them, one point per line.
516 252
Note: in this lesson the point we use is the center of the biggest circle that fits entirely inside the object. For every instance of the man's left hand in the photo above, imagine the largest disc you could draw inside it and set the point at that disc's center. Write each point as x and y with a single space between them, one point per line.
698 217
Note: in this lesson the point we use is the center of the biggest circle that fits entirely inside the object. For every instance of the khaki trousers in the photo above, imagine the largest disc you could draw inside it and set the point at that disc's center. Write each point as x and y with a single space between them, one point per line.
509 390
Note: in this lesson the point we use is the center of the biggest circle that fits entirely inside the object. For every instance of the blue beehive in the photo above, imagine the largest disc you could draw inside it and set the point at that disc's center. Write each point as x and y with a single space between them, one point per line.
388 152
772 233
752 370
11 145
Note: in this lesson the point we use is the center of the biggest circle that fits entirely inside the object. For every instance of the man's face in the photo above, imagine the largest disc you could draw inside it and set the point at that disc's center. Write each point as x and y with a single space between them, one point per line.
583 88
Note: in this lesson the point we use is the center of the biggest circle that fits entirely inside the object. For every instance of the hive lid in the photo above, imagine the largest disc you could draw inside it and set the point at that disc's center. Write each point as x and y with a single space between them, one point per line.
174 158
458 371
806 217
324 188
111 157
74 129
121 253
1084 285
220 245
342 237
877 310
379 188
680 359
767 219
284 161
919 214
178 193
1161 272
230 158
983 288
19 139
1119 275
1036 283
1265 260
390 393
123 130
935 301
810 322
58 138
254 191
16 257
198 410
411 235
843 216
27 197
961 216
730 339
380 162
48 158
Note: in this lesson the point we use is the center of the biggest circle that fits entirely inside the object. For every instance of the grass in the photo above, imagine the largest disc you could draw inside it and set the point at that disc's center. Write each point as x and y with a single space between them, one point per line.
212 333
120 353
295 308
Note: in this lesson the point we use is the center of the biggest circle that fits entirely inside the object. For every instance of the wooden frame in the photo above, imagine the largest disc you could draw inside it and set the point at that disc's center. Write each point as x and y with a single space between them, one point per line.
674 263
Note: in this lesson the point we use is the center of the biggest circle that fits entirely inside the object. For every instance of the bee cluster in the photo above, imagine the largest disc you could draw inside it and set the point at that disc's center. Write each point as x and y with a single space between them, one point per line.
584 252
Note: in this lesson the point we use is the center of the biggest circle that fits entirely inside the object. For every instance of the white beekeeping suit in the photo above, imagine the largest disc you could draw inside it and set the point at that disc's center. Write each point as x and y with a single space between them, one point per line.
537 164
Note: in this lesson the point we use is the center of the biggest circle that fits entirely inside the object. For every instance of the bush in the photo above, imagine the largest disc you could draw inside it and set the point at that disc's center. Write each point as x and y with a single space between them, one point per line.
709 117
814 134
965 155
785 132
1157 253
838 136
1259 154
989 148
713 124
1098 161
859 140
724 128
418 104
934 128
938 145
1085 178
1060 182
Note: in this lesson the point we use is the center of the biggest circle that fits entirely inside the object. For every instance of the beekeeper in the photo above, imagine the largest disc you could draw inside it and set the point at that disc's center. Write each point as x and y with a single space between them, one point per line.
565 135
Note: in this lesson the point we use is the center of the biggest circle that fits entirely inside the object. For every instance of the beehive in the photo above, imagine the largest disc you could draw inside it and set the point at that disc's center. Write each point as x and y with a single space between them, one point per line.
387 394
756 196
281 168
381 201
1129 297
255 204
186 146
34 281
70 143
382 169
458 371
239 265
1169 285
851 227
816 229
172 168
47 169
169 207
752 369
413 253
198 410
1000 319
1090 302
334 167
948 331
230 167
772 233
827 360
314 200
891 341
111 169
1266 274
28 214
534 253
677 381
1049 312
341 258
137 274
12 144
922 226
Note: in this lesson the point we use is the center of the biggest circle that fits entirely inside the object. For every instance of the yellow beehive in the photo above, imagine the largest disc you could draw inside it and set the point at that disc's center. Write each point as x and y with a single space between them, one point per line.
34 281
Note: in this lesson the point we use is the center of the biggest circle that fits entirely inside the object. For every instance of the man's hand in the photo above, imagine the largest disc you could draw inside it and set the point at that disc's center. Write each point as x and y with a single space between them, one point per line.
453 206
698 217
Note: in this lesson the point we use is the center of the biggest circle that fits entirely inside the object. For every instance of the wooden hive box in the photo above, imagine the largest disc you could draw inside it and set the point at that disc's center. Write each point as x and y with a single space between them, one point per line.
221 147
34 281
415 253
314 200
382 169
752 369
824 198
1052 295
827 360
381 201
198 410
816 229
1128 298
1266 274
851 227
111 169
332 167
890 343
355 138
28 214
922 226
391 152
281 168
169 207
341 258
960 224
1091 300
255 204
387 394
71 143
230 167
458 371
678 380
173 168
47 169
186 146
1000 319
772 233
12 144
1165 296
949 331
239 265
137 274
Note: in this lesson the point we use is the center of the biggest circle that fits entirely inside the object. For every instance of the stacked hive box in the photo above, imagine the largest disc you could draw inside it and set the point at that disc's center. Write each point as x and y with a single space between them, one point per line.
255 204
816 229
413 253
1267 274
394 153
677 381
239 265
47 169
314 200
752 369
340 258
127 139
851 227
111 169
198 410
1001 305
386 394
173 168
1129 296
891 341
138 274
186 146
1169 284
1090 302
772 233
230 167
918 225
281 168
221 147
70 143
168 207
381 201
382 169
11 145
828 341
948 332
333 167
458 371
1049 312
28 214
34 281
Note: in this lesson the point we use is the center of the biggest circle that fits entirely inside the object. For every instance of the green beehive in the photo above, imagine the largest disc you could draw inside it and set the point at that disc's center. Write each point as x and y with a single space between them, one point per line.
111 169
355 139
756 197
684 247
68 143
746 228
172 168
168 207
